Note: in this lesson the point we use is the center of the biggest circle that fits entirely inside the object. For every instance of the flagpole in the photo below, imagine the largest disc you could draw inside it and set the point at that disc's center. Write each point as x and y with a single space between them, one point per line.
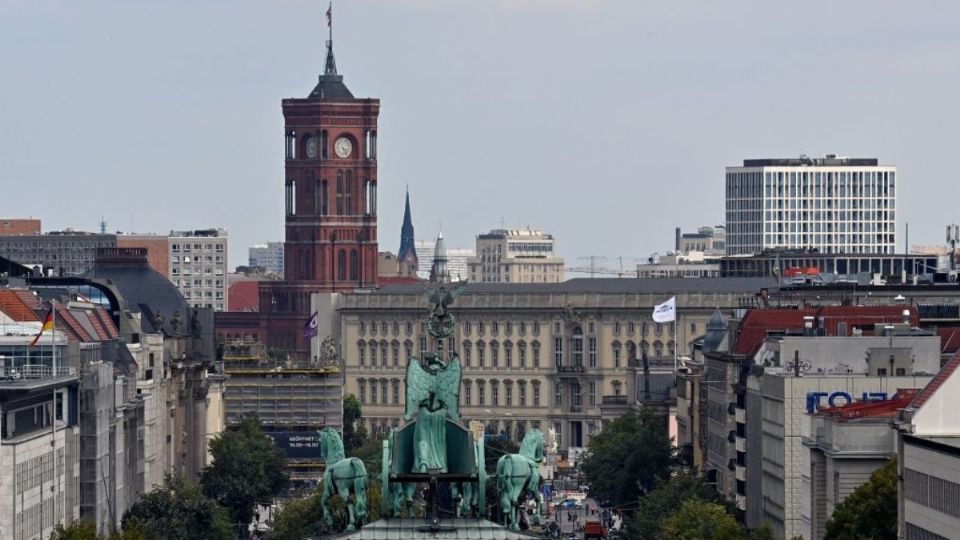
53 406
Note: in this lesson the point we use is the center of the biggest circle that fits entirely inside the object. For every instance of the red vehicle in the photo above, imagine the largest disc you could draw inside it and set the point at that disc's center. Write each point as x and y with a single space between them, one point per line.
592 529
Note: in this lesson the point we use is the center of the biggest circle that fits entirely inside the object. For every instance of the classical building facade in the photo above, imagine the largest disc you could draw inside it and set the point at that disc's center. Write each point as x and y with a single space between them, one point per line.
566 356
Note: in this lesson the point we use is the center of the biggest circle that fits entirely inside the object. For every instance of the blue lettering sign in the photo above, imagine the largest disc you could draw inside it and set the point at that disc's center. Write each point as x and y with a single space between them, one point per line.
815 398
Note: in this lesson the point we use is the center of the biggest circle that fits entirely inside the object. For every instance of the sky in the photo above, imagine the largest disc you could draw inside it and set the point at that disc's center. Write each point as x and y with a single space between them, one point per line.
605 123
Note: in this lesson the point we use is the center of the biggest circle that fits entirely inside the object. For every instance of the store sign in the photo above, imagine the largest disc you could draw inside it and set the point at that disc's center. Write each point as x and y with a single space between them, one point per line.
837 399
298 444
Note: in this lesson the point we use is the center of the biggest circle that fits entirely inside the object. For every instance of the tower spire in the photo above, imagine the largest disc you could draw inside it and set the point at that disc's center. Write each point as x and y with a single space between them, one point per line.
331 64
408 250
330 83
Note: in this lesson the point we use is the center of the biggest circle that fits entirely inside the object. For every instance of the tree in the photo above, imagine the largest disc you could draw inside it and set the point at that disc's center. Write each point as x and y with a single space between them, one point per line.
870 512
629 457
353 437
297 519
78 530
701 520
247 468
763 532
177 511
647 521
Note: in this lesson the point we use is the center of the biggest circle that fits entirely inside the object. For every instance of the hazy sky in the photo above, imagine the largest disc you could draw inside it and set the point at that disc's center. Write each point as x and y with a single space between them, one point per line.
607 123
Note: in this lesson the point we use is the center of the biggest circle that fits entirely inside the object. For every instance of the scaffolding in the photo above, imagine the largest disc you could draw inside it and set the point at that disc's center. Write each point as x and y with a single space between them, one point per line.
288 396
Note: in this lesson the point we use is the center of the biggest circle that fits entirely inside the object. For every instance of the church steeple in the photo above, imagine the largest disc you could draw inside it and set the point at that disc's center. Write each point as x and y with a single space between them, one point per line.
330 84
408 251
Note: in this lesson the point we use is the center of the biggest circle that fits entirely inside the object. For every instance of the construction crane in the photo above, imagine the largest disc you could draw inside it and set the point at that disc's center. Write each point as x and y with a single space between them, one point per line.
597 266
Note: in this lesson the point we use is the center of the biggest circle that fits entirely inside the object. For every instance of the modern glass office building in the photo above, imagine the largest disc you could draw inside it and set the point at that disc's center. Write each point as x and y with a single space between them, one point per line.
831 204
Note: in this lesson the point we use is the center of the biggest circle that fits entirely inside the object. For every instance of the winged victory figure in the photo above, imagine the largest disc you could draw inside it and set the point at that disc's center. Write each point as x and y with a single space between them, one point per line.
433 388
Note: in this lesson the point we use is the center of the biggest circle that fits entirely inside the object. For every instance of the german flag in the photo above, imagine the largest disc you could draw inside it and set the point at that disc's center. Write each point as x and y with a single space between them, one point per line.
47 325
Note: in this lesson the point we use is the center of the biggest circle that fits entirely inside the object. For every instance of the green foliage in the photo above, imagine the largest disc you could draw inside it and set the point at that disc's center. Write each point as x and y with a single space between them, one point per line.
247 468
870 512
87 530
177 511
701 520
763 532
78 530
353 437
633 447
646 522
297 519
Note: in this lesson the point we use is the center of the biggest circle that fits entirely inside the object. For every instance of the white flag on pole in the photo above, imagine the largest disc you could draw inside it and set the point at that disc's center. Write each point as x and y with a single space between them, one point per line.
666 312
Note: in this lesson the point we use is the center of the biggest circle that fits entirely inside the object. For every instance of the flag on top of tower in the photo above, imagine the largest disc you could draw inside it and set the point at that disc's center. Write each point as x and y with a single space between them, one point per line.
310 329
666 312
329 14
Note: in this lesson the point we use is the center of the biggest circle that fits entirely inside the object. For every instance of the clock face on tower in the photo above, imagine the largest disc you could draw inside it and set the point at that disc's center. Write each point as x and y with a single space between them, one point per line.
343 147
312 148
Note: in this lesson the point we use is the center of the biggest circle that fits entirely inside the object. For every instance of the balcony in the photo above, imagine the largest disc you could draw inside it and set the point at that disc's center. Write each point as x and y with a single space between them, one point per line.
740 473
741 444
576 408
740 415
571 369
620 400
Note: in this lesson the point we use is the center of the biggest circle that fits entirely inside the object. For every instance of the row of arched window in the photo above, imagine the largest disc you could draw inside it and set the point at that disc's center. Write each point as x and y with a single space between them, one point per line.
317 145
496 393
351 196
507 354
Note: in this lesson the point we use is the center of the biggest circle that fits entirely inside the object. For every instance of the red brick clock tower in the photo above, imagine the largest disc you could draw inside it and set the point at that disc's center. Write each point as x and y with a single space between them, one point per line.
331 186
330 178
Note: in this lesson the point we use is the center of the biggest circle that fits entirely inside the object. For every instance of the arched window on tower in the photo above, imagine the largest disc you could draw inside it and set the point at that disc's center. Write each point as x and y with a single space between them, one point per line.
366 197
340 192
322 198
291 145
367 140
323 144
354 265
292 198
371 198
342 265
373 145
348 193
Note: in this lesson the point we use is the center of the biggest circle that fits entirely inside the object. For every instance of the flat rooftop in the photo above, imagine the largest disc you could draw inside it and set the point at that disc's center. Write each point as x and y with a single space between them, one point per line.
828 160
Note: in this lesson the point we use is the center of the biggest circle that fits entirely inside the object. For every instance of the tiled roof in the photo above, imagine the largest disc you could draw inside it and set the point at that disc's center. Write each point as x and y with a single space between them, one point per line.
112 331
937 381
758 322
20 305
244 296
66 321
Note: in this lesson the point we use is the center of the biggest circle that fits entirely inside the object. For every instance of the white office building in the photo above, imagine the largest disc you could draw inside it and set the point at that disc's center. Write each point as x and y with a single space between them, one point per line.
831 204
456 260
268 256
198 267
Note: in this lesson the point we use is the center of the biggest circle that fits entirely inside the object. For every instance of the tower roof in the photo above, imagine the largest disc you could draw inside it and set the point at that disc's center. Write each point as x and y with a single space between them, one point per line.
330 83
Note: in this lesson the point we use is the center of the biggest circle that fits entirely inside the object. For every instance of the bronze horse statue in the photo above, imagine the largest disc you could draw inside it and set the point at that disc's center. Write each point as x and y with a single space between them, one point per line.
519 474
346 477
